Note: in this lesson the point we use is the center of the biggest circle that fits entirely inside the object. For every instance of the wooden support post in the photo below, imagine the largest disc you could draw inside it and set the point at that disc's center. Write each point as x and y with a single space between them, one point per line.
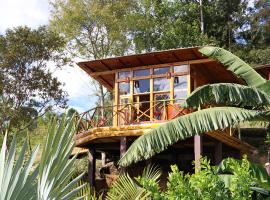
92 166
123 146
103 159
218 152
197 151
116 103
151 96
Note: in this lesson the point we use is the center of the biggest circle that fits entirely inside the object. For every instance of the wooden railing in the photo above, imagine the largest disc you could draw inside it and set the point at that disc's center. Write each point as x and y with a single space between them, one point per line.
130 113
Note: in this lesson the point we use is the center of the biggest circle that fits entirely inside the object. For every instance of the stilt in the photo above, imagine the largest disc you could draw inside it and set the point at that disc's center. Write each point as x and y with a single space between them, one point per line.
92 166
197 151
218 152
123 146
103 158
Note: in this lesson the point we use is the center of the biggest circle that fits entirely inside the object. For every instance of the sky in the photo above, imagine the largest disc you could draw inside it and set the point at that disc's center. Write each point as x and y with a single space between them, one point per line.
34 13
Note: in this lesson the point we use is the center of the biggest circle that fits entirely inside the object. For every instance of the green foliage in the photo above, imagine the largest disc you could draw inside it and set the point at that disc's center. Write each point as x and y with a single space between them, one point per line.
228 94
51 178
27 88
209 182
235 65
93 29
126 188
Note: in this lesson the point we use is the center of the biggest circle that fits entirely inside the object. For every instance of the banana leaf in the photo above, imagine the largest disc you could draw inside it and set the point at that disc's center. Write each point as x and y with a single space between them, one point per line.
228 94
158 139
237 66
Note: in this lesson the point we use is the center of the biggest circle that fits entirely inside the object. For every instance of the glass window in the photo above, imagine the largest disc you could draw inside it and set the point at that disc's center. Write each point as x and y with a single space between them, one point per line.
161 84
180 82
124 88
123 74
141 86
162 70
142 72
180 68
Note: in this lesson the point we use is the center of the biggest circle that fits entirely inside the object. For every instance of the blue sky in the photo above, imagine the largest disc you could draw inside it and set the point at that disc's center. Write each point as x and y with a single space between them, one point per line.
34 13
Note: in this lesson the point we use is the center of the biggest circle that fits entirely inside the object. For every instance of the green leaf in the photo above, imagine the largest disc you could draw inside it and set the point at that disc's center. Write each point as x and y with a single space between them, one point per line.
228 94
158 139
235 65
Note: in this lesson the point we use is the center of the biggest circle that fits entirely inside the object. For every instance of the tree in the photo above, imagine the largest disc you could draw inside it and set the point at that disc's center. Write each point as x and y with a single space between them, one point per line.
235 99
27 87
156 25
93 29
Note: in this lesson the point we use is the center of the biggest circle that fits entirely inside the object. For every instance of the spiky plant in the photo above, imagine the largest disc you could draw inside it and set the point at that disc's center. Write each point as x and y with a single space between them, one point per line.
51 179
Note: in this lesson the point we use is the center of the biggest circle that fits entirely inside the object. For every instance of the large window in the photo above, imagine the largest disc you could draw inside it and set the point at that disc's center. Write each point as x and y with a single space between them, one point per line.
168 84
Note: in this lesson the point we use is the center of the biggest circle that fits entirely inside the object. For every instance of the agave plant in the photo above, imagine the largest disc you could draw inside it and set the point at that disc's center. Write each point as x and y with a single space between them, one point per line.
239 104
51 179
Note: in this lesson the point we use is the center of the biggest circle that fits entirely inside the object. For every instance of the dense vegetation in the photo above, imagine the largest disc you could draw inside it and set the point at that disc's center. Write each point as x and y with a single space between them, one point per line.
96 29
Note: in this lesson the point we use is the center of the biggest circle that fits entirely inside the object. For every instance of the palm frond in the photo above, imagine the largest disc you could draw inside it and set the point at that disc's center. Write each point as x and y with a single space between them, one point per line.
151 172
228 94
17 180
125 188
56 167
158 139
235 65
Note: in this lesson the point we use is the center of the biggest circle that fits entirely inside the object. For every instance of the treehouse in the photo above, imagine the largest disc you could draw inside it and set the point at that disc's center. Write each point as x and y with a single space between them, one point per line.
148 90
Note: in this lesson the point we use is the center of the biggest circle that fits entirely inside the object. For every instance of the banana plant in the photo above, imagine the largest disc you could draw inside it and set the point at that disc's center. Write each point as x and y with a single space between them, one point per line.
52 178
236 103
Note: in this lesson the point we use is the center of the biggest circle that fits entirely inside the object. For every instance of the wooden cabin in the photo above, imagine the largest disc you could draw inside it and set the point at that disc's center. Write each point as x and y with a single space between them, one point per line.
148 90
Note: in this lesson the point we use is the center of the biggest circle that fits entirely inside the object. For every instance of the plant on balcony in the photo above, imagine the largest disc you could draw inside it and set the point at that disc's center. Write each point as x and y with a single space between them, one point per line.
52 178
236 103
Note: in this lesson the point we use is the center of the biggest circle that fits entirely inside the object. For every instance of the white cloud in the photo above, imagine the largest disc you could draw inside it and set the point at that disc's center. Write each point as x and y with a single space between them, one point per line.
34 13
23 12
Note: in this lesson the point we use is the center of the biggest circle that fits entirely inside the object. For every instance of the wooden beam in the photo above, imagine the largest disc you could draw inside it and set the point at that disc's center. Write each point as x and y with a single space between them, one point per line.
140 61
218 152
91 166
197 151
104 64
121 62
149 66
123 146
175 56
204 60
116 102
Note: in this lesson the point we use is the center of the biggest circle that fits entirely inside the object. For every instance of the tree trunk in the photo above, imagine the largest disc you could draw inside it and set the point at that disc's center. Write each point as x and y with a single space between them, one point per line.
202 18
